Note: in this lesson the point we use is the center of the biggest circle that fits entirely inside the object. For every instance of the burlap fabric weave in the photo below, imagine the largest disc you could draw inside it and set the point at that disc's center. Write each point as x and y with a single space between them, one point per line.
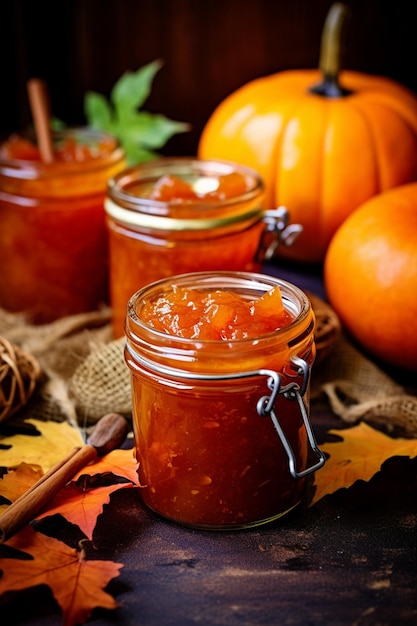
85 375
60 347
357 389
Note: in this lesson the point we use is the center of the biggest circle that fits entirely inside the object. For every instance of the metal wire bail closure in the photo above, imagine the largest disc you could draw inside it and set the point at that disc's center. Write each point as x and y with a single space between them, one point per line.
292 392
278 231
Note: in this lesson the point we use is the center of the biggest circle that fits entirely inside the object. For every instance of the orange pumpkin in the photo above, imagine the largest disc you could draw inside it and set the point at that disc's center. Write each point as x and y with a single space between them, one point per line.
322 148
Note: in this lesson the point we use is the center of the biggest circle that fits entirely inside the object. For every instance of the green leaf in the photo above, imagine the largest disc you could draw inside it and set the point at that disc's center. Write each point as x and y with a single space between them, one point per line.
152 131
97 111
133 88
139 132
135 154
57 124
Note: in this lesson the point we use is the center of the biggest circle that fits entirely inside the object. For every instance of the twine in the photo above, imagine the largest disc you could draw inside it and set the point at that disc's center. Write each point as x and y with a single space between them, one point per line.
19 374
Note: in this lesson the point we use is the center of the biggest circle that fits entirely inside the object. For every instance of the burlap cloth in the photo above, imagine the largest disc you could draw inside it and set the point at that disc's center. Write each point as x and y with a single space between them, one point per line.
84 375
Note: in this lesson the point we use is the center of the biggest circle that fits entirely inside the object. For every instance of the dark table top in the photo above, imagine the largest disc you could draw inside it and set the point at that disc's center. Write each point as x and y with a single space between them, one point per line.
350 559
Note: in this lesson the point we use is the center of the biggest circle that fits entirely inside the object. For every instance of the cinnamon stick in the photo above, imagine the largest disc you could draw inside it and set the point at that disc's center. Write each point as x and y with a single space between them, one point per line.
39 105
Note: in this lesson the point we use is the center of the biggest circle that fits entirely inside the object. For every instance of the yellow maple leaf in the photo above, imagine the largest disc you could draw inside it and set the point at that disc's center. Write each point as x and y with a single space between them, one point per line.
55 441
358 457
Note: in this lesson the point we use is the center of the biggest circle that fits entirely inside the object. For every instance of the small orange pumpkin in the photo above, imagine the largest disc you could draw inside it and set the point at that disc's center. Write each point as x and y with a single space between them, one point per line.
322 148
370 275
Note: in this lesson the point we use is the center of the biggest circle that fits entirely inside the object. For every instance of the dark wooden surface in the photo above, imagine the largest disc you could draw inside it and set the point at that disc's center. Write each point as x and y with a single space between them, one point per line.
209 49
351 559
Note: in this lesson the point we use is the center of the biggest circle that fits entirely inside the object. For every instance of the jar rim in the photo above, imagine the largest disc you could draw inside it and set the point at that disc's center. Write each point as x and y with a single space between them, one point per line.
251 281
27 169
133 210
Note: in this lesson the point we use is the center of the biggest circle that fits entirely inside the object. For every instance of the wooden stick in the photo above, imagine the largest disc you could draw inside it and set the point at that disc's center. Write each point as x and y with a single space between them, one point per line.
39 106
109 432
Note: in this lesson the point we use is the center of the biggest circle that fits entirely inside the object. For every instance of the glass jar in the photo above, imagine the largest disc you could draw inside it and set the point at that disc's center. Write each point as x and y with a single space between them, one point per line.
151 239
53 236
222 433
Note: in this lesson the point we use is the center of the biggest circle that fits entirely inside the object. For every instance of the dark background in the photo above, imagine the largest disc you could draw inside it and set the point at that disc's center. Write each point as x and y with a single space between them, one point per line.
209 49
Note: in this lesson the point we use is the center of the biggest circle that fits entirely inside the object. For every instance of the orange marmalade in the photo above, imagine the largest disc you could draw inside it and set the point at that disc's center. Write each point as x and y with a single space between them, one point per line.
220 366
179 215
53 237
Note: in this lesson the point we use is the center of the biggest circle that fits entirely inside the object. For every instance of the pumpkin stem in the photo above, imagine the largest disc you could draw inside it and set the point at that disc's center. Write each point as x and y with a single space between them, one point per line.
330 53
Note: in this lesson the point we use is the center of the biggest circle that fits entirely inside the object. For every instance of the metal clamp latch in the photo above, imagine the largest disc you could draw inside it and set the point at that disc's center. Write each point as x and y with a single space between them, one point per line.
277 232
293 392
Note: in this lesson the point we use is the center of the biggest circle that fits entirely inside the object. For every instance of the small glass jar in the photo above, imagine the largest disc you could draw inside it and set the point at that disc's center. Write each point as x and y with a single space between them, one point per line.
151 239
53 236
222 434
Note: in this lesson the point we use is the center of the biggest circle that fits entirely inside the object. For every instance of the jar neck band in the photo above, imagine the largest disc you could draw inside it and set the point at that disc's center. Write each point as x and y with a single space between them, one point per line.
133 217
175 373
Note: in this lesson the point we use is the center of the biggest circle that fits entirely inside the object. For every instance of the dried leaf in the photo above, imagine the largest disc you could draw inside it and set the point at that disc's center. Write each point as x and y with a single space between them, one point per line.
80 505
358 457
77 584
119 462
55 441
17 482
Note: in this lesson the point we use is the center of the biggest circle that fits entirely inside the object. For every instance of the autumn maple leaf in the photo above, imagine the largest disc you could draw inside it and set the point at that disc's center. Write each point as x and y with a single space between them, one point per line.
119 462
16 482
82 500
358 457
81 505
54 441
76 583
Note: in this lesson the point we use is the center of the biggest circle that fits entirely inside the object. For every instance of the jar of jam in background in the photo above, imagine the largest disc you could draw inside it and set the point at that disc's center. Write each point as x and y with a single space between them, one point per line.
53 237
222 434
179 215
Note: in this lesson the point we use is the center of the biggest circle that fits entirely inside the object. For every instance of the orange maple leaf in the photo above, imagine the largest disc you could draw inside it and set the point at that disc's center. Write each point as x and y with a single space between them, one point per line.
76 583
118 462
80 505
16 482
358 457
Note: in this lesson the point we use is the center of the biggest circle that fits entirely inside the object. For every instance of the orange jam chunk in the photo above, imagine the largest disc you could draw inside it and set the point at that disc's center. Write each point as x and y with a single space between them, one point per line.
216 315
230 186
170 188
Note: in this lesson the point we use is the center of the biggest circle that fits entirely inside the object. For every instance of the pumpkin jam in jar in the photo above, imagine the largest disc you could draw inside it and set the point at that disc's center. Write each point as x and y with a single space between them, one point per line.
179 215
220 367
53 236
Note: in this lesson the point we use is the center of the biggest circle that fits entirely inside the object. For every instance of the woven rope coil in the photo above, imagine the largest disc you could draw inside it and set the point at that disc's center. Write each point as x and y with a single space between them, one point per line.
19 373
